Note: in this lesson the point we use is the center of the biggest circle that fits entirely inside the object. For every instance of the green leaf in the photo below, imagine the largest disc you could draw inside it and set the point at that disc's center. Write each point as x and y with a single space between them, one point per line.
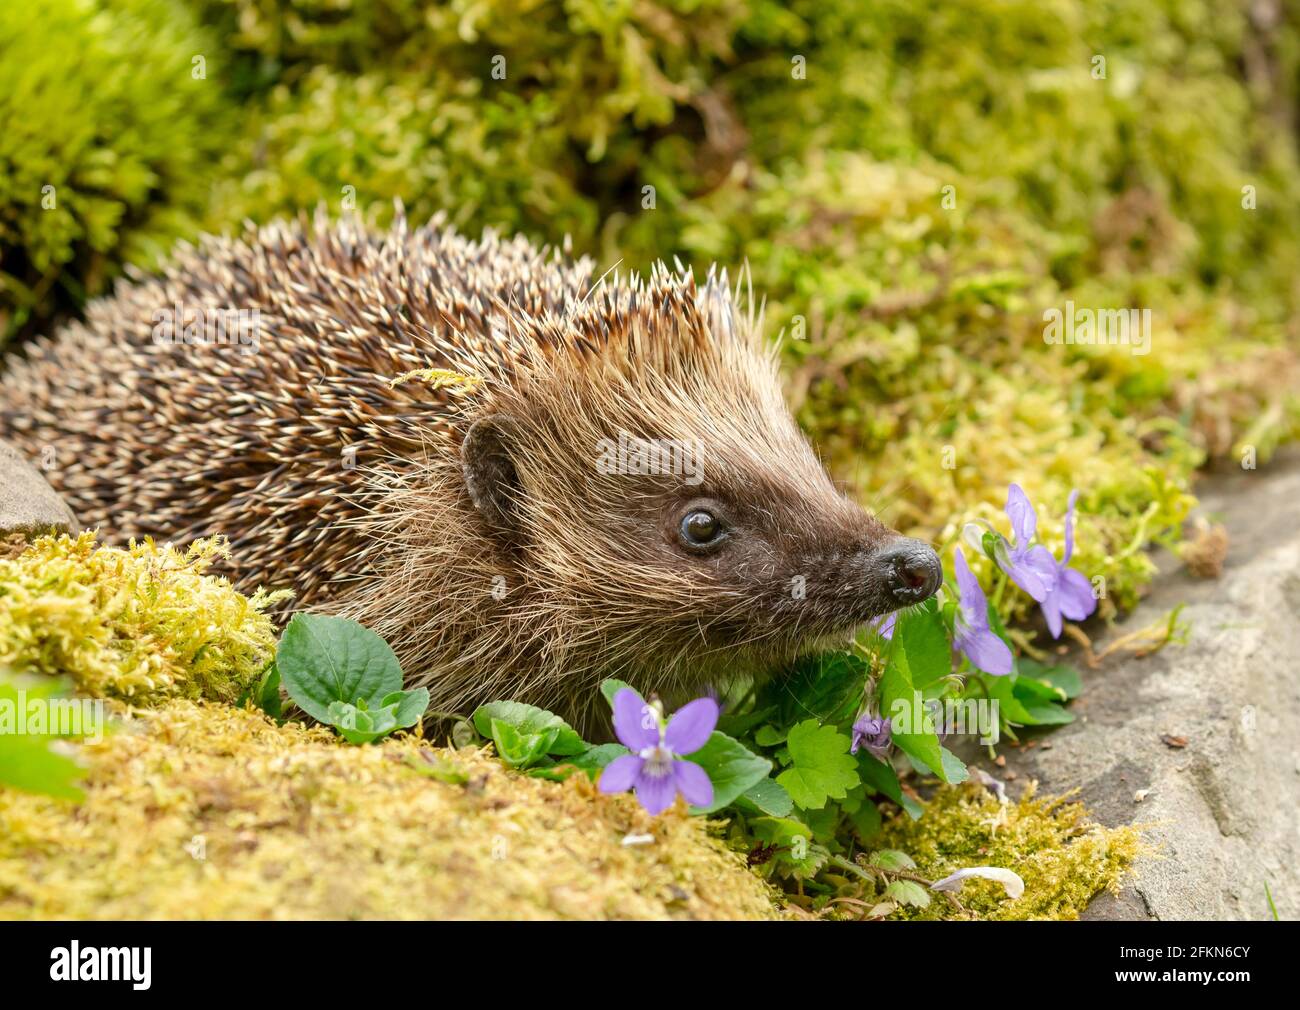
866 820
610 687
1029 689
1047 714
520 750
28 760
345 715
953 769
591 761
411 705
267 697
1063 677
824 822
529 720
327 659
882 777
360 723
437 767
908 892
901 701
739 725
28 763
1003 690
732 768
827 687
921 634
546 768
795 841
594 759
769 736
822 766
769 796
463 734
1020 711
357 724
892 859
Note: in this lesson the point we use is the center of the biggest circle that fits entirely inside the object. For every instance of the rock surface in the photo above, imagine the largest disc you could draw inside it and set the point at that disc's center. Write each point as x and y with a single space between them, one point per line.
1207 732
28 505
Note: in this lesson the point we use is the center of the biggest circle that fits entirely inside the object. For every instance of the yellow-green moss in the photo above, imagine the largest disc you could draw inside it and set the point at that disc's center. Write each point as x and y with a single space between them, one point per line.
1064 859
206 811
201 810
111 128
143 623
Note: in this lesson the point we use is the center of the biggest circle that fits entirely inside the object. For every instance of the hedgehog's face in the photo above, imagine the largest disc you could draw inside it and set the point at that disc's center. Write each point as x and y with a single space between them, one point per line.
776 572
779 562
719 546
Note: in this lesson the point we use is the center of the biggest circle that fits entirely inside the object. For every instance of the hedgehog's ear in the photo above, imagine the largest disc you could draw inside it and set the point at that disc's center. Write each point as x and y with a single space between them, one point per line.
490 474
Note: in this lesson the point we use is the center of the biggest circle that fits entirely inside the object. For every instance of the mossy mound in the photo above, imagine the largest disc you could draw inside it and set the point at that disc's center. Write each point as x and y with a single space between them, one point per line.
913 183
201 811
908 215
141 623
110 125
1064 859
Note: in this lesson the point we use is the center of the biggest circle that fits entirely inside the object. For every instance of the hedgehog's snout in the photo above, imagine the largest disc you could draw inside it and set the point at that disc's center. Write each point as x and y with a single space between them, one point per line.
908 569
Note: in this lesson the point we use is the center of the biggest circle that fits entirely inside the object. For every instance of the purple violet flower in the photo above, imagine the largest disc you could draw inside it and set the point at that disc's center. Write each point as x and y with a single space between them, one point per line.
1031 567
1059 590
655 767
875 732
971 633
1071 592
884 626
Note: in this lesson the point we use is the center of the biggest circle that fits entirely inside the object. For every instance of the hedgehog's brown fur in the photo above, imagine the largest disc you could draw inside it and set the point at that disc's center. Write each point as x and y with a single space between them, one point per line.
579 576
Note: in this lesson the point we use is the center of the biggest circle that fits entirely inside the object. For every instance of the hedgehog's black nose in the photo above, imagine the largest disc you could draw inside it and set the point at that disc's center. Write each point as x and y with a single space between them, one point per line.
910 569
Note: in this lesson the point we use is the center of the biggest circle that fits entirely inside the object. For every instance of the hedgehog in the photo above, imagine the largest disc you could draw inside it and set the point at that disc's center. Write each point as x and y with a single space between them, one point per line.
527 478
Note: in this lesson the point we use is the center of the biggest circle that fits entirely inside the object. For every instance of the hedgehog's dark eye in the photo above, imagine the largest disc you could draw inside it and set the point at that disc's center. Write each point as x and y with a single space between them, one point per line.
700 528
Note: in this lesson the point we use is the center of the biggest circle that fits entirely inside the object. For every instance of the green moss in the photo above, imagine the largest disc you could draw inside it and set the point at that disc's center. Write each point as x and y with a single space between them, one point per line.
605 67
274 810
105 150
505 113
921 372
924 378
1008 99
913 326
200 811
1064 859
143 624
436 142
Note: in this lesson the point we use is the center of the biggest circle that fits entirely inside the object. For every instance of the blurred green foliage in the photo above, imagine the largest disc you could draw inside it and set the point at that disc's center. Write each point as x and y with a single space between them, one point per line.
912 183
107 138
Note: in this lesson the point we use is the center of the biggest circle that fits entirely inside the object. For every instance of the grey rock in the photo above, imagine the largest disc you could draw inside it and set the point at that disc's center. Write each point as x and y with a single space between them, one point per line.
1224 809
29 507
